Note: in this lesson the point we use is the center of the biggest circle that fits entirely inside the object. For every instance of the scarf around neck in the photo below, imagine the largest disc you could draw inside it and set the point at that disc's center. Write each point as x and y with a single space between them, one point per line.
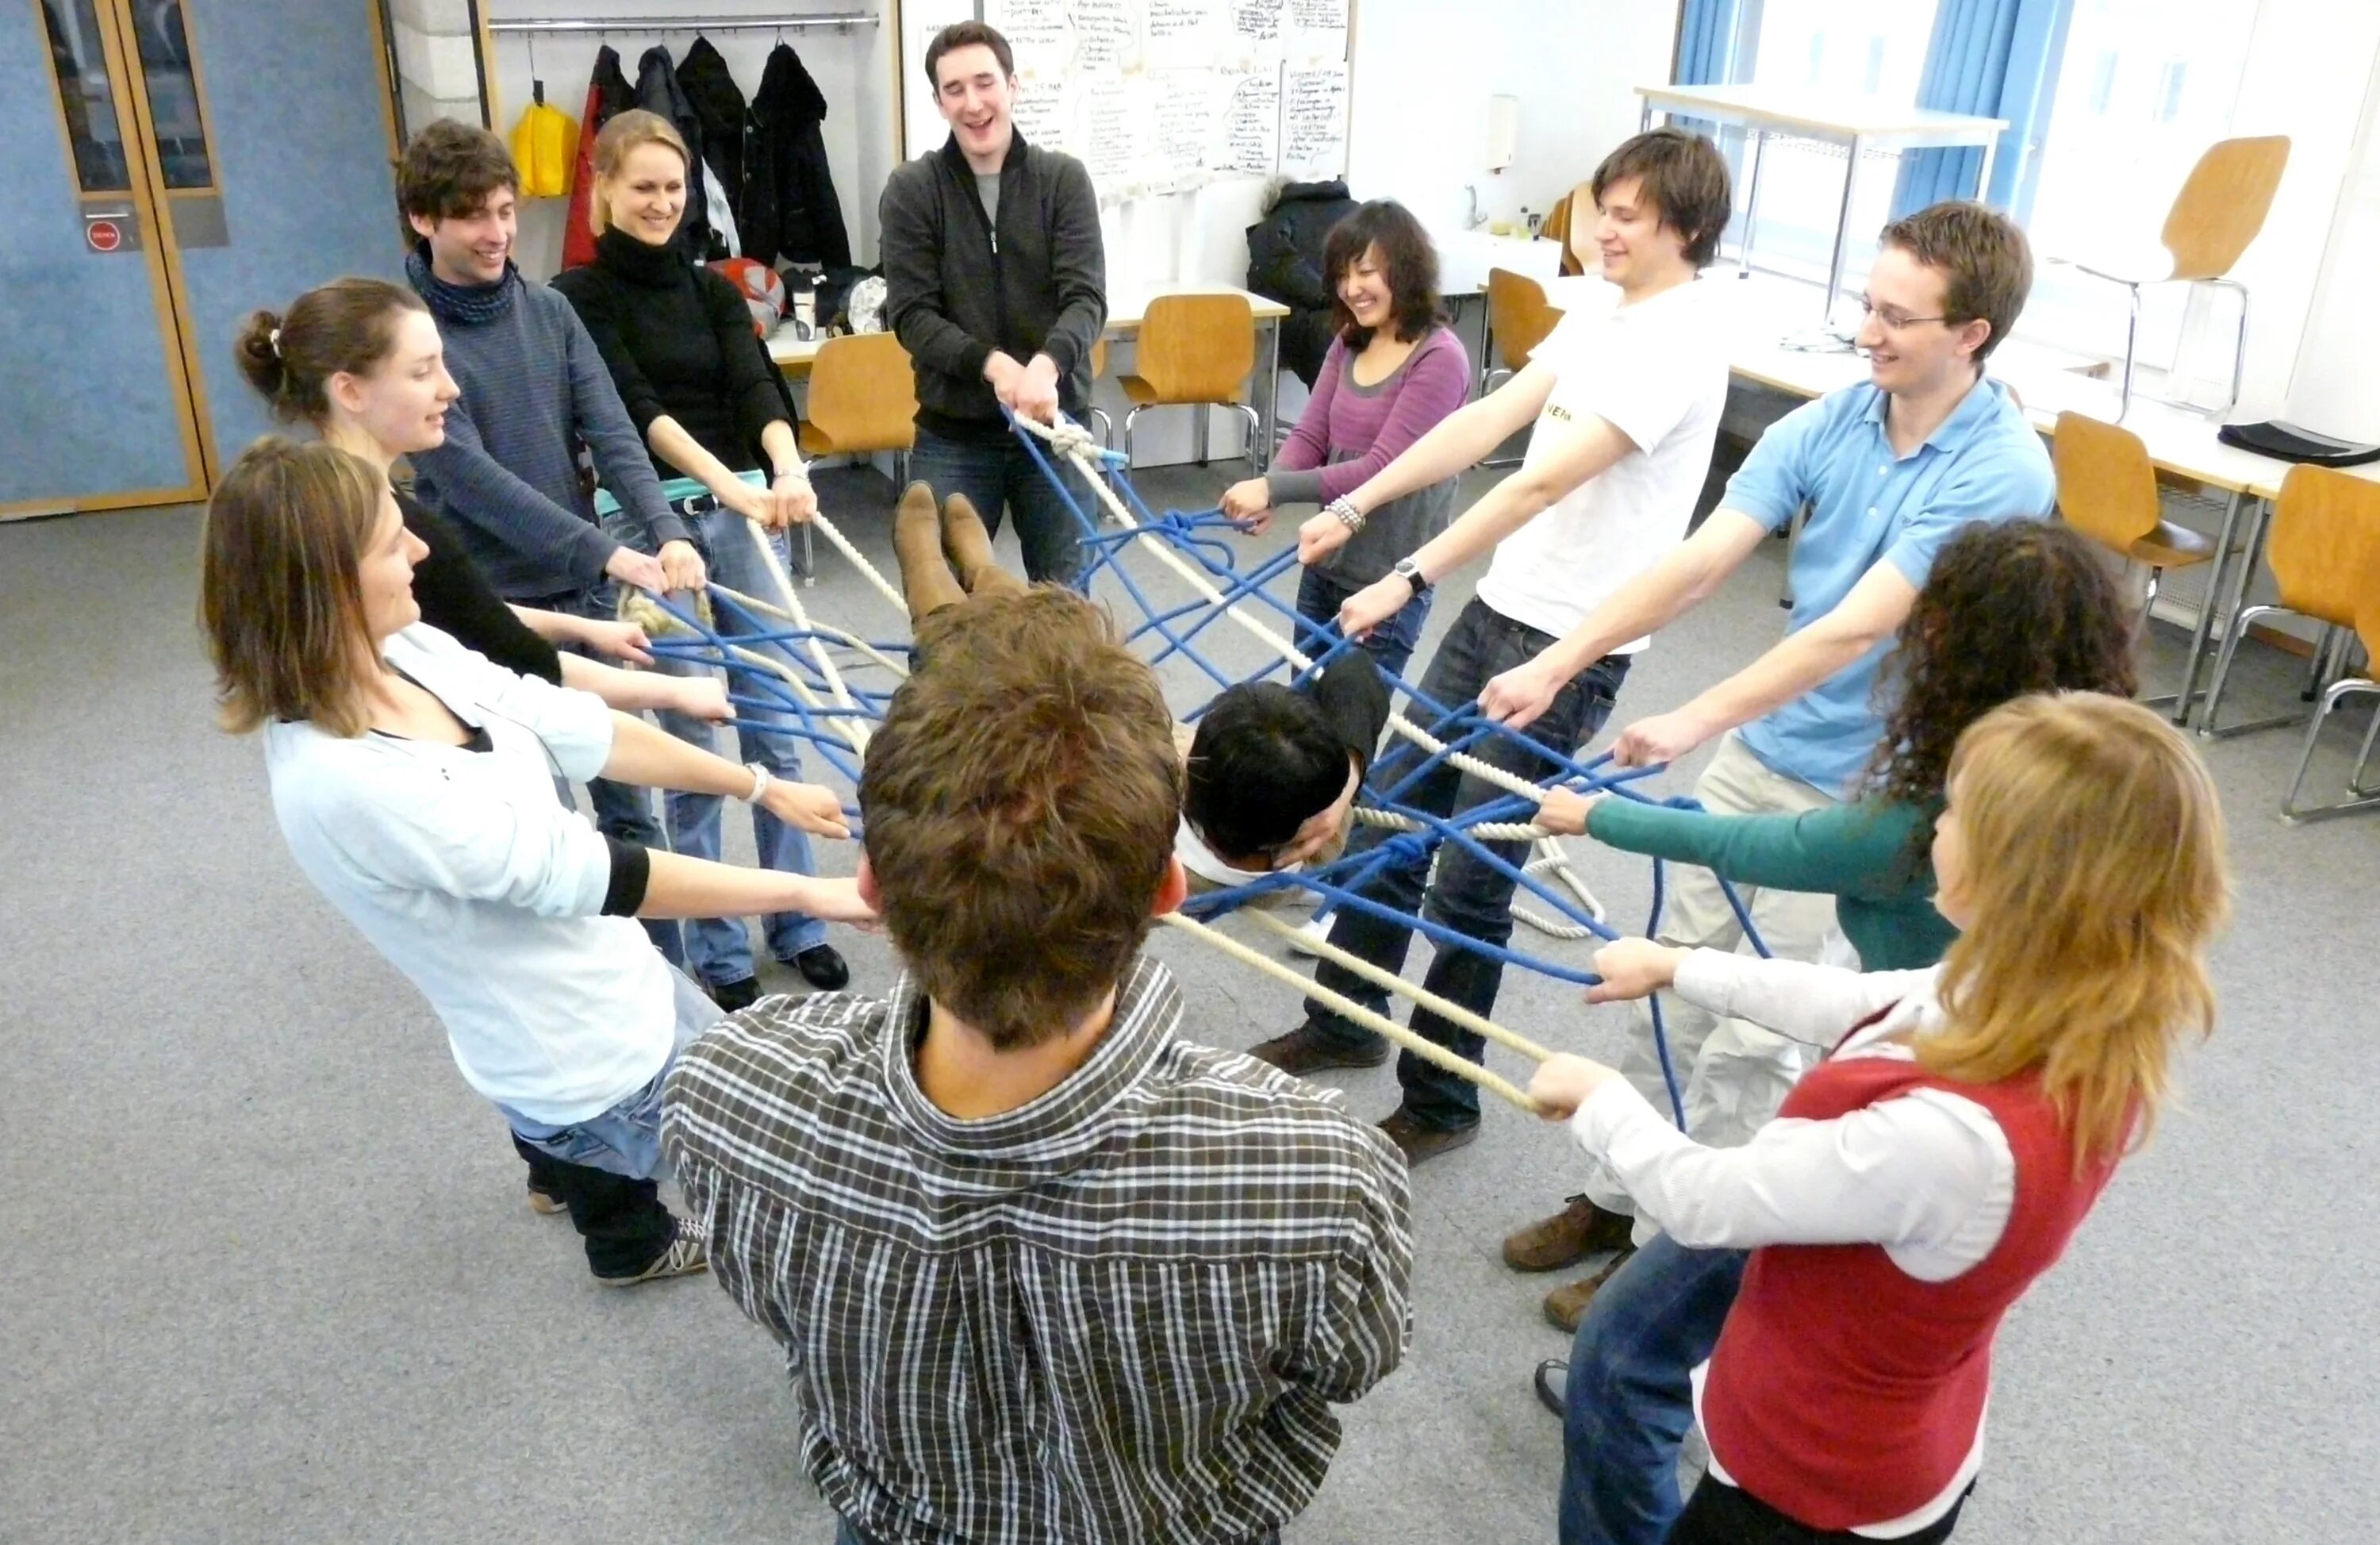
469 305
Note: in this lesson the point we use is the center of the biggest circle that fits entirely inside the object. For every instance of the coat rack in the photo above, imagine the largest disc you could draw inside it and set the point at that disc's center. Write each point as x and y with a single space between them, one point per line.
841 21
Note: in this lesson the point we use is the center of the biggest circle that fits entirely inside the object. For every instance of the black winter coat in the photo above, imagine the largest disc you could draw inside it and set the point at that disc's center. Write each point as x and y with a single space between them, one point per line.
718 101
789 209
657 91
1285 264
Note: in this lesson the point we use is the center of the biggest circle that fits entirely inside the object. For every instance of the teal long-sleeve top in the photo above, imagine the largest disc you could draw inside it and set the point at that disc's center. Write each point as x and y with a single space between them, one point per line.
1859 853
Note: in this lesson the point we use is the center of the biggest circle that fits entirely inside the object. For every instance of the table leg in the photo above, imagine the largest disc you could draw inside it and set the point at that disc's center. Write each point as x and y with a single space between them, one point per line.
1644 118
1751 205
1842 234
1270 417
2217 574
1984 172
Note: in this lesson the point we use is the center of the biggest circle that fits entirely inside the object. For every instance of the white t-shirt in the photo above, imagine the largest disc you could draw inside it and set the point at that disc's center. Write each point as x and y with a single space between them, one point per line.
1655 372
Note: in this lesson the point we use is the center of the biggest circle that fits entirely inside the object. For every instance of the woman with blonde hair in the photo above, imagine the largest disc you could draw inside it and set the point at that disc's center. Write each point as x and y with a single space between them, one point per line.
414 783
1968 1116
677 339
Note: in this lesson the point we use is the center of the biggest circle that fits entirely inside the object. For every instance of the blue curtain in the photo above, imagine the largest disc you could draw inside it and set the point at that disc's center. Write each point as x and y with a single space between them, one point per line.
1706 42
1996 59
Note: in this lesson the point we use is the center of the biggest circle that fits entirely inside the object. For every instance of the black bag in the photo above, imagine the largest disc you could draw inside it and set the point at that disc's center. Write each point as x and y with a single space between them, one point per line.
2288 443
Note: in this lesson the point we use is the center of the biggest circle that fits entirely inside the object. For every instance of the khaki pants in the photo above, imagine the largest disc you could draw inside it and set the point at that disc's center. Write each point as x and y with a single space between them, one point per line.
1731 1074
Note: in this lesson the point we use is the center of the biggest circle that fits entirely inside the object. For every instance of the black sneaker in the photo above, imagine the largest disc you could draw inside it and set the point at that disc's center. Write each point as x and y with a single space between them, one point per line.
733 995
684 1257
822 968
1306 1049
546 1200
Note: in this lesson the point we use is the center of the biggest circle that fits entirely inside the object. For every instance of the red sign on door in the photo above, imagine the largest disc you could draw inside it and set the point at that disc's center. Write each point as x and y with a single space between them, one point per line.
105 235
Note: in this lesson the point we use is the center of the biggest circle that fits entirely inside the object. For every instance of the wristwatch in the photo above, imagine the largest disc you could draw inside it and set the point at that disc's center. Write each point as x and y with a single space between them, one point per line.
761 779
1409 571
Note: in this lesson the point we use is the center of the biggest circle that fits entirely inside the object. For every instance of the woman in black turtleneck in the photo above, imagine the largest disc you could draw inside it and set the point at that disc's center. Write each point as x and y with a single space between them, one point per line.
678 339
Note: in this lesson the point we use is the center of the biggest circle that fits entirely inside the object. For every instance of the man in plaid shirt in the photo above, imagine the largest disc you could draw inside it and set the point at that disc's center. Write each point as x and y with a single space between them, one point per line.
1043 1271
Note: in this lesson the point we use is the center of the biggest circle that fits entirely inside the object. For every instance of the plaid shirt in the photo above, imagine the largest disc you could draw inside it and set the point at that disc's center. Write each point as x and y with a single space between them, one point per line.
1117 1314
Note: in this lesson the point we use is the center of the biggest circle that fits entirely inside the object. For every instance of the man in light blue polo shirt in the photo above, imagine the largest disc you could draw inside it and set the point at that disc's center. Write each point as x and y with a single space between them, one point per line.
1888 469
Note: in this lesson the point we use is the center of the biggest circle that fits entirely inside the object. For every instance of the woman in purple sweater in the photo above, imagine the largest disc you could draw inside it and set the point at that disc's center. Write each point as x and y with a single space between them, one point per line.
1393 372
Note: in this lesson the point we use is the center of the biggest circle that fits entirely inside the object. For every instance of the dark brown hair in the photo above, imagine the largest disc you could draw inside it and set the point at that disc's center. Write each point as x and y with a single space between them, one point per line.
1020 801
280 594
1405 253
2008 608
1985 260
450 169
345 327
966 34
1680 173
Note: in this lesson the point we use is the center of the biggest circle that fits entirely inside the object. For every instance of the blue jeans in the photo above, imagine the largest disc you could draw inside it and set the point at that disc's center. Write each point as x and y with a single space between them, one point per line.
1466 895
622 811
1631 1391
1320 593
719 950
1000 475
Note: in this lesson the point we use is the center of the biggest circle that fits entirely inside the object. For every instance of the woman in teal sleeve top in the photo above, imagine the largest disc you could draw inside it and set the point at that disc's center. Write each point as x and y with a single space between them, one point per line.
2008 610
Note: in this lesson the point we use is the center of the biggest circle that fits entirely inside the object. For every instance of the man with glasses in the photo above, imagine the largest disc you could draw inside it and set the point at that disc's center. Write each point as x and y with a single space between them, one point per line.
1889 472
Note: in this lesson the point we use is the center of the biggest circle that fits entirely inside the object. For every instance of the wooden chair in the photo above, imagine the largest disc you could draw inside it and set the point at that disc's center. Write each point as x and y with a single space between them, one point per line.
2361 796
863 398
2107 491
1519 319
2221 207
2323 549
1556 225
1195 350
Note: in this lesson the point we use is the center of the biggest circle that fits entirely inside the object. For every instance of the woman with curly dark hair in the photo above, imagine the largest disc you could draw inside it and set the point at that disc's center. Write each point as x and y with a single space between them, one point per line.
2009 610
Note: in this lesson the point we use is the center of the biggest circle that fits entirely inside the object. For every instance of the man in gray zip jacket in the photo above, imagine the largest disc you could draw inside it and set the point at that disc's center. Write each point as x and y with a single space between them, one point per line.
996 284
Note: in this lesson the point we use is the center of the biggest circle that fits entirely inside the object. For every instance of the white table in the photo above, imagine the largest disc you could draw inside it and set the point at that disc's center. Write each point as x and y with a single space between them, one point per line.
1761 111
1127 308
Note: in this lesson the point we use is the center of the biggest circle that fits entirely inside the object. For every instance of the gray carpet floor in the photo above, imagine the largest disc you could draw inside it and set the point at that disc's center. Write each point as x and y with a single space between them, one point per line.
270 1276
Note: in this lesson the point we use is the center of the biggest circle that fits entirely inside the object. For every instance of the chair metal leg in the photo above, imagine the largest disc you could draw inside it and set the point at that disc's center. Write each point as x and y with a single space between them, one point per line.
1107 426
1131 418
2207 728
2239 348
2355 783
2358 798
1255 433
2141 629
2321 666
2131 341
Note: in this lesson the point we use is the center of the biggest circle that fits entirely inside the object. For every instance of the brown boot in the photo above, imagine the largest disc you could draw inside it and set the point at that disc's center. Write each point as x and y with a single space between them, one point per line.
968 545
1578 1231
1566 1306
926 577
1420 1141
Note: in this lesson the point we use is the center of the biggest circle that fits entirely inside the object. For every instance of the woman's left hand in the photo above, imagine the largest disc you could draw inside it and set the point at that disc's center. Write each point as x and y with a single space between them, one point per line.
622 641
1249 501
705 698
792 501
807 806
1564 1083
682 567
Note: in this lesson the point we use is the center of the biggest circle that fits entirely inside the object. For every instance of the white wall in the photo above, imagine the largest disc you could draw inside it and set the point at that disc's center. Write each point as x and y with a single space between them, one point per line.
2336 391
853 69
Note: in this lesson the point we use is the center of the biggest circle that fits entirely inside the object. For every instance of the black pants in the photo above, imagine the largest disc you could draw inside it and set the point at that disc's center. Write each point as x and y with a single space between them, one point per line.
1722 1514
623 1221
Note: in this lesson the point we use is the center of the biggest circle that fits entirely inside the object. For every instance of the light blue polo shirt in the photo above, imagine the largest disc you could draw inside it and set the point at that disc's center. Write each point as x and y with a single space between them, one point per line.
1984 463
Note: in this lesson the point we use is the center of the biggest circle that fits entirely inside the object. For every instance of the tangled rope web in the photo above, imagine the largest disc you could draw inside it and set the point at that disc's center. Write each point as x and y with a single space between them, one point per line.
792 675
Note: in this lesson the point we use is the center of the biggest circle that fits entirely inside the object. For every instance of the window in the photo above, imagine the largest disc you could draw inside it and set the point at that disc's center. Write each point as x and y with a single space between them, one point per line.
2123 133
80 66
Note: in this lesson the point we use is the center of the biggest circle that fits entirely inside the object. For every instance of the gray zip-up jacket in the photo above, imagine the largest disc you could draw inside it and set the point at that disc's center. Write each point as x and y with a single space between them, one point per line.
955 289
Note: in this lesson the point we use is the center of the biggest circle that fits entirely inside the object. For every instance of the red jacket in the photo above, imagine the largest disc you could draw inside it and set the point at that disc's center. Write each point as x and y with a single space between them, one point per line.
1844 1392
608 94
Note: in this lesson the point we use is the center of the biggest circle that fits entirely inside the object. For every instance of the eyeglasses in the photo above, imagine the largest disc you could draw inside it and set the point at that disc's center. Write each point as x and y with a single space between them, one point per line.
1892 323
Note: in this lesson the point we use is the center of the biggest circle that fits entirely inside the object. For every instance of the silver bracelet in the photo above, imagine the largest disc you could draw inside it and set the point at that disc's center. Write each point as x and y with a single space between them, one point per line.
800 473
761 782
1343 510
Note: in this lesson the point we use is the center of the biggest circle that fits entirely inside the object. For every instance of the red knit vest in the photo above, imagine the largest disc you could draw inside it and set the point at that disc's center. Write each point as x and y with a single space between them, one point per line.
1845 1392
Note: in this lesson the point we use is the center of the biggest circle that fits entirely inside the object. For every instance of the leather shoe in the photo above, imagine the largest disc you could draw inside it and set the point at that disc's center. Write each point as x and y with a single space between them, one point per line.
733 995
1578 1231
1553 1384
1566 1306
822 968
1420 1141
1306 1049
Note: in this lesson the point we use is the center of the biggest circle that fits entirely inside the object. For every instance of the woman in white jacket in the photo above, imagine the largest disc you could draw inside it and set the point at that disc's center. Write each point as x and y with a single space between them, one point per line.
414 782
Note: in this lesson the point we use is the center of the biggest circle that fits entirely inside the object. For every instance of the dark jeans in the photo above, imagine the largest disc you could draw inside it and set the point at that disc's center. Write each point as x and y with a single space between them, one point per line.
622 811
997 475
1466 895
622 1220
1320 593
1631 1392
1721 1514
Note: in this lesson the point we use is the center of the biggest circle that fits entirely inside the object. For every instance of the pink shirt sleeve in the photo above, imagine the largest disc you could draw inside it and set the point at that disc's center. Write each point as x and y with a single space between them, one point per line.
1308 445
1436 381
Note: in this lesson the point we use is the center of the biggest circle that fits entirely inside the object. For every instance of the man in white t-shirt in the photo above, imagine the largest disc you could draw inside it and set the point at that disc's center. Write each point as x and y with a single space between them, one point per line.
1625 400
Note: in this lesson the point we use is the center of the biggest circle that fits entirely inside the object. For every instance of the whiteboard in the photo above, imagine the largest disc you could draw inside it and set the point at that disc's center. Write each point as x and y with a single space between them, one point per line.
1161 97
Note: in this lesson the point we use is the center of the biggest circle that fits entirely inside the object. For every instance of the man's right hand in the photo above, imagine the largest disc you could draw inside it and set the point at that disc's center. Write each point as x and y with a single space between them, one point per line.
632 568
1319 537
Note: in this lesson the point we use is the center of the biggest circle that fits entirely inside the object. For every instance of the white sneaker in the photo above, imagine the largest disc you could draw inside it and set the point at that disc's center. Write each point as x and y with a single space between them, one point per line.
1312 932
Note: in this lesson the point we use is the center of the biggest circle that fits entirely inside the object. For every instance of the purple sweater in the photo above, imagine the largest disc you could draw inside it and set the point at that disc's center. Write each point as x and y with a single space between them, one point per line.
1348 432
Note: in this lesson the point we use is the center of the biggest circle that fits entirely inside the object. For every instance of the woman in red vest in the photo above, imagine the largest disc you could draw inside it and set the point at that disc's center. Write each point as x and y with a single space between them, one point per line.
1918 1180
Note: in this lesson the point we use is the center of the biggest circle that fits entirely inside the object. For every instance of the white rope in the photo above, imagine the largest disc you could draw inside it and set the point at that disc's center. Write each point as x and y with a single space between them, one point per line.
859 561
1445 1008
854 725
843 636
1380 1024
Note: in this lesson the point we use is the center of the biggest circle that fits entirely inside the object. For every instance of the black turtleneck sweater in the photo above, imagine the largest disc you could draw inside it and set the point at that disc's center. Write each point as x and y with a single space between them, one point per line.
678 340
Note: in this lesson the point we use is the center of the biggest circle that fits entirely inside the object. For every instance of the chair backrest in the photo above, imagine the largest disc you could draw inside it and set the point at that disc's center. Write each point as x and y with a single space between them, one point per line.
1556 225
1518 314
864 393
2222 204
1197 347
2107 488
1098 356
2325 546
